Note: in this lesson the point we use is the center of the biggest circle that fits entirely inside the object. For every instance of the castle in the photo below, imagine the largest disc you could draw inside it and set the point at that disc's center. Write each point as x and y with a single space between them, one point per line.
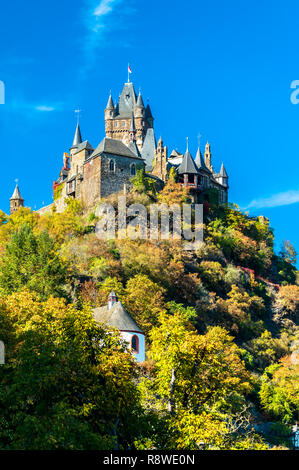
91 174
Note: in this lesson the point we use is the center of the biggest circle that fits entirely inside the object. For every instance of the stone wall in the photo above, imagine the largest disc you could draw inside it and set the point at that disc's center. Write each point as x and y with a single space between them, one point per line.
113 182
90 187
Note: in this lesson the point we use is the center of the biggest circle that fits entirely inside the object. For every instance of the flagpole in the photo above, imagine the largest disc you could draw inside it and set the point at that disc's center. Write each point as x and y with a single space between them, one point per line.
128 73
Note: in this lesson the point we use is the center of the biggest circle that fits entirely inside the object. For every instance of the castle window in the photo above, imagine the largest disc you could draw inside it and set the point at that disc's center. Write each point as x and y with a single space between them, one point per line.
135 344
112 166
133 169
116 124
124 123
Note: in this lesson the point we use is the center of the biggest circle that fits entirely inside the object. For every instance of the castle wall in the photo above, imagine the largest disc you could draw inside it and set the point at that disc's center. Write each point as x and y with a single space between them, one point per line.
113 182
90 188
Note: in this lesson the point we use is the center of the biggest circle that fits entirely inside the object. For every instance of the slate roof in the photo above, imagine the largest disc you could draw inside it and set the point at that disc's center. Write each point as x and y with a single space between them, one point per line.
200 162
113 147
116 317
78 137
84 146
223 172
188 165
127 101
140 103
110 104
148 148
16 193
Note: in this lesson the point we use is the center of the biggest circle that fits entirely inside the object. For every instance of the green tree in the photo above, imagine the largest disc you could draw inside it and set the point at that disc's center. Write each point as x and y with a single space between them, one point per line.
67 383
31 261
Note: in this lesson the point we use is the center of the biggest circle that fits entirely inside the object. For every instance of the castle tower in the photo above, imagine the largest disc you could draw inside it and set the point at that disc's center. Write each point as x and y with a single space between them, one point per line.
77 139
208 157
109 115
118 118
222 176
160 161
16 200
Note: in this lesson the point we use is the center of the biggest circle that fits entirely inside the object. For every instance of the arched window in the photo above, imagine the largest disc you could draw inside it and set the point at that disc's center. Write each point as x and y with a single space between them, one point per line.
112 166
133 169
135 344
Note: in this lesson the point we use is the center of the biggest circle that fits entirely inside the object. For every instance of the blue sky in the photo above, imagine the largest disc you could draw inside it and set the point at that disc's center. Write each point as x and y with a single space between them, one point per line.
220 69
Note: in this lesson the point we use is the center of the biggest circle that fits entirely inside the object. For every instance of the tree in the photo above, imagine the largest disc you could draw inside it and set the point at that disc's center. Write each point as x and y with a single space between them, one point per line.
286 304
144 184
279 393
31 261
288 252
67 383
144 300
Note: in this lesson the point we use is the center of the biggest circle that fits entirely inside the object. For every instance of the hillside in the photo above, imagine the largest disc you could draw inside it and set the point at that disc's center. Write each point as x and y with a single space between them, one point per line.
221 327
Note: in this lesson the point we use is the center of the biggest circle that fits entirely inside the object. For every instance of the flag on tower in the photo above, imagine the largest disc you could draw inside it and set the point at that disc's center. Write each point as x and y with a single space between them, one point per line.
129 71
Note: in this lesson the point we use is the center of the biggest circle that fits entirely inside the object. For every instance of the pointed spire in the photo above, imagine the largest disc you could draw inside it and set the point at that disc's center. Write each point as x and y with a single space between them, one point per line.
78 137
199 160
16 194
188 165
223 171
140 100
110 104
148 112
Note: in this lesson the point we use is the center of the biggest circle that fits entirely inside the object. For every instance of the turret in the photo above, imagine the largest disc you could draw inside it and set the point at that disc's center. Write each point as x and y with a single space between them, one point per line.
139 108
78 137
222 177
16 200
109 110
208 157
200 162
160 161
188 171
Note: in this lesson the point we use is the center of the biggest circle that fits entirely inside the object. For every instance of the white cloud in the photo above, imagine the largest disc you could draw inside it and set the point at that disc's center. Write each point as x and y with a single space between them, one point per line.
22 106
280 199
100 17
45 108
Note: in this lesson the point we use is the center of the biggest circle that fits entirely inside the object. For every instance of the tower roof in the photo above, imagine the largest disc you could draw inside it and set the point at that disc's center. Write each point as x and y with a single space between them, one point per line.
140 101
223 171
110 104
16 194
188 165
200 163
113 147
148 112
78 137
116 317
127 100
